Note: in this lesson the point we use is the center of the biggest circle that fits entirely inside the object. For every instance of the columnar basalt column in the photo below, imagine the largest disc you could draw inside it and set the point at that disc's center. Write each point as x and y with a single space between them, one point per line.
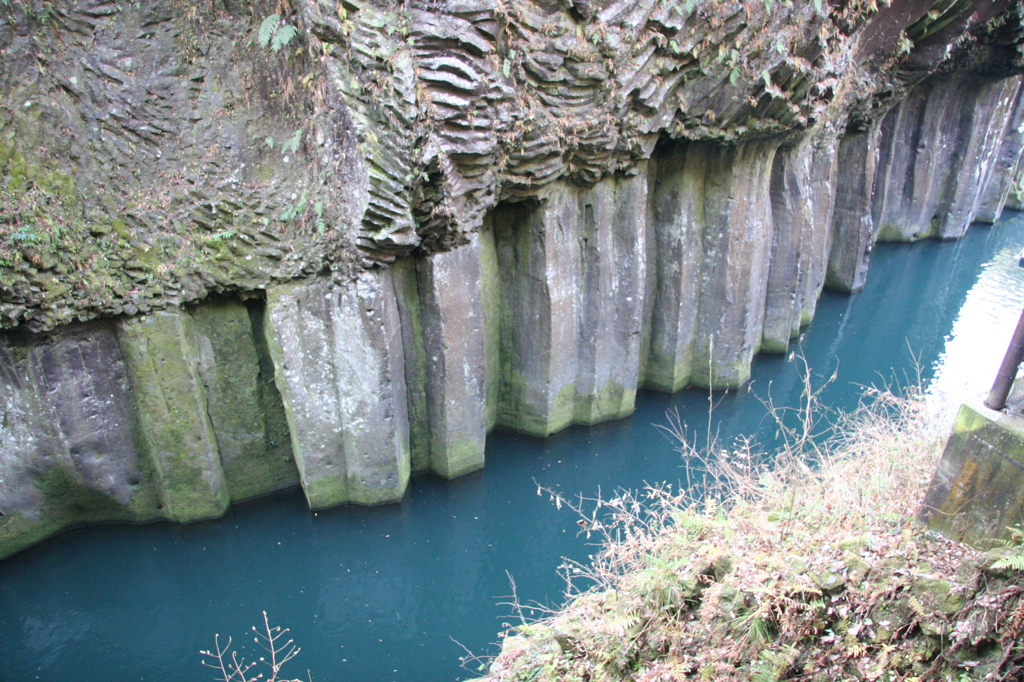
490 300
1007 162
538 253
983 128
456 365
613 274
713 226
821 196
853 229
410 315
572 273
67 436
737 246
936 152
802 199
27 440
166 415
338 355
678 216
178 437
911 158
242 401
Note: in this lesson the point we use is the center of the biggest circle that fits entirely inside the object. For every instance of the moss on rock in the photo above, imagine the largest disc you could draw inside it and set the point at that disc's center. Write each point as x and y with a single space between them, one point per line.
242 402
176 433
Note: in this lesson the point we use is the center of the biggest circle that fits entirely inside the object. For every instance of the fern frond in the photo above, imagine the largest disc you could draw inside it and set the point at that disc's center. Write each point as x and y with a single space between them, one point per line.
760 631
283 36
292 144
689 521
765 673
771 666
1014 562
622 622
268 27
915 605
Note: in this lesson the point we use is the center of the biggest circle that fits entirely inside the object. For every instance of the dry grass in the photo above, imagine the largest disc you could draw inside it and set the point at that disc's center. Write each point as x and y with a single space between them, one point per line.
783 572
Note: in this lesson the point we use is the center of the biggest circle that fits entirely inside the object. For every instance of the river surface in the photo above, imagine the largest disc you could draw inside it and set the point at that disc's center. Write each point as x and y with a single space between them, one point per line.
397 593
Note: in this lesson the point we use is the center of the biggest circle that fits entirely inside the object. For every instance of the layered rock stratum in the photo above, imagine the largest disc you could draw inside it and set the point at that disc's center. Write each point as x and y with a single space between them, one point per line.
336 242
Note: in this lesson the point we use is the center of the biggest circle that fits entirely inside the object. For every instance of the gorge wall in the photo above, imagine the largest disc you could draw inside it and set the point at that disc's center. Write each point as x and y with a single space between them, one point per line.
228 268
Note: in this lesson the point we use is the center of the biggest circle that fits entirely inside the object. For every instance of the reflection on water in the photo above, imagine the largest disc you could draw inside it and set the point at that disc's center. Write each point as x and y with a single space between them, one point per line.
981 333
384 594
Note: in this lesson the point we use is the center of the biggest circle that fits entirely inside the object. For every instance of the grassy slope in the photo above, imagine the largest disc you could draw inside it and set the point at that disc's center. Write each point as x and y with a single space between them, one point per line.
797 574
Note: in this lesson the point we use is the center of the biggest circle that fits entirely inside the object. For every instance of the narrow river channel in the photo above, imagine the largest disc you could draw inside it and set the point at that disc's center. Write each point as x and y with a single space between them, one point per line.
395 593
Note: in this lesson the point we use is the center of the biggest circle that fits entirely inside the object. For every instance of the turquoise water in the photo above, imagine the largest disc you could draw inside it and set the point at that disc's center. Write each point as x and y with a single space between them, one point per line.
394 593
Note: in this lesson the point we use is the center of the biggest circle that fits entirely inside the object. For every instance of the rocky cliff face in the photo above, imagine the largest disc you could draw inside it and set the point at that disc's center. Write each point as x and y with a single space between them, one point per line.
419 221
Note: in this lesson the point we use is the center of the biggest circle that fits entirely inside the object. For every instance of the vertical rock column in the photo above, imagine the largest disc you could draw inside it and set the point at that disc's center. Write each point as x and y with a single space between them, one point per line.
84 382
984 113
678 235
490 299
853 229
455 358
1007 161
166 415
613 271
538 253
713 226
737 247
67 436
410 315
27 441
163 357
822 196
572 270
242 404
911 156
936 153
337 350
801 199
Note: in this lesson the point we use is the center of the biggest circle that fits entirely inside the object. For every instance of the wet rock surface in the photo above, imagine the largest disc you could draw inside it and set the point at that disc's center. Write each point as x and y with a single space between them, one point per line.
339 365
136 420
366 233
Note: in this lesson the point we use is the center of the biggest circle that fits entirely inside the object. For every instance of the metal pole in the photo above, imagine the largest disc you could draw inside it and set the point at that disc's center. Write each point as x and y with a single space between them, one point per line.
1008 370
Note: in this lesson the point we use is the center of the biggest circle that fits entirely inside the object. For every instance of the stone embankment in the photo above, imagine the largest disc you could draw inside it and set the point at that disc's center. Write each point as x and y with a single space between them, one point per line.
472 216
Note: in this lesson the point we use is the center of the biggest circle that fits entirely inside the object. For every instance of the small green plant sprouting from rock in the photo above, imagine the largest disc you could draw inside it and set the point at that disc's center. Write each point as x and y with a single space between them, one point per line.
1014 560
904 44
294 210
224 235
275 33
318 210
25 234
507 64
291 145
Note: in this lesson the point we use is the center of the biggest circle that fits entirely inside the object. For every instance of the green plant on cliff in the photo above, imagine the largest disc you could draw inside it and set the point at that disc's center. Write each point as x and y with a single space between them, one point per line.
1013 559
275 33
785 573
